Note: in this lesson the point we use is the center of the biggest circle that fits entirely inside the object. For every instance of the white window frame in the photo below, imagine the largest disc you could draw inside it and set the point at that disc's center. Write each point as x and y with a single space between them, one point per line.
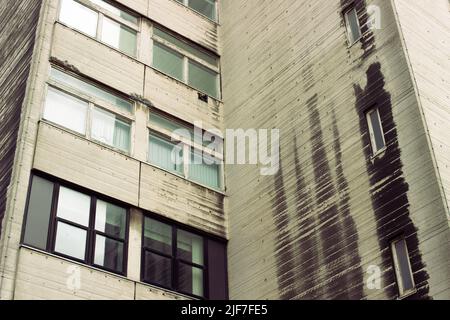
93 103
348 26
186 57
102 13
373 142
402 292
187 145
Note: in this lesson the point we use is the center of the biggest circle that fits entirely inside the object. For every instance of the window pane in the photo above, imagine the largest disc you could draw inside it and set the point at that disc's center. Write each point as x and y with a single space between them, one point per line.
167 61
190 247
158 236
165 154
38 215
157 269
405 276
190 279
203 79
124 15
205 7
186 47
354 33
74 206
167 124
217 270
79 17
377 130
66 110
118 36
108 253
110 219
91 90
203 170
106 128
70 241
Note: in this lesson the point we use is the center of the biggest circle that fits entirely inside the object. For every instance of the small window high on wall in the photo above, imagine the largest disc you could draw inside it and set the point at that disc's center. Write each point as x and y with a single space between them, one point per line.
402 265
352 25
75 224
376 131
101 20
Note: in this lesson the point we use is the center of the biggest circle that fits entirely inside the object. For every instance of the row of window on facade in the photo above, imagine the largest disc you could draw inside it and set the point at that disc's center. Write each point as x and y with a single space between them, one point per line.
97 114
172 55
78 225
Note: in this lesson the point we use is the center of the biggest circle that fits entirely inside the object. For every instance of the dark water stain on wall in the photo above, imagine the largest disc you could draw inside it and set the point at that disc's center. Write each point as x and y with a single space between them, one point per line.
389 190
18 27
284 249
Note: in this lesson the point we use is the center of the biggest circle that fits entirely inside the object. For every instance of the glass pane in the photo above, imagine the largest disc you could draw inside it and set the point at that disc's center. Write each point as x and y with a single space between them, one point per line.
91 90
70 241
124 15
171 126
158 236
118 36
203 79
403 265
377 130
186 47
203 170
108 253
205 7
79 17
157 269
166 154
189 247
110 219
353 26
66 110
167 61
38 215
190 279
107 129
74 206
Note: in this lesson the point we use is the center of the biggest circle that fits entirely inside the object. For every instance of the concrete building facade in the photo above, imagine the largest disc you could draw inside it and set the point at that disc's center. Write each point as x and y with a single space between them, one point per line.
98 202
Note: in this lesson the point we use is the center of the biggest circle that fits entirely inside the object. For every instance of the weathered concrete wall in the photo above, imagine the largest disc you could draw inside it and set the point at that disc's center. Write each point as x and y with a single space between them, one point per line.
312 230
428 49
60 153
18 23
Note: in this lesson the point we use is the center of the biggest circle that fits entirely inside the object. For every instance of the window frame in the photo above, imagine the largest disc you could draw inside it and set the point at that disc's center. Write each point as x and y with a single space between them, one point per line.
93 103
398 276
91 231
185 3
348 26
101 14
373 142
175 226
163 133
187 56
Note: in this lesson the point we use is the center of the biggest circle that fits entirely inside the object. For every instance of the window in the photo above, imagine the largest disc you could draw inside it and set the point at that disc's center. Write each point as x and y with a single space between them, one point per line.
176 259
352 25
173 146
186 62
104 22
208 8
110 115
402 265
375 130
76 225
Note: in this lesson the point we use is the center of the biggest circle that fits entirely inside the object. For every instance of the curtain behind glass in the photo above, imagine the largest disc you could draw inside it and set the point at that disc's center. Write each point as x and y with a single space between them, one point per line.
204 173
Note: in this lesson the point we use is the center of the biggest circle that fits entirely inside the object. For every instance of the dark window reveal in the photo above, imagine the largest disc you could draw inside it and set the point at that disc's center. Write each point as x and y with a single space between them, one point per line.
405 279
76 225
183 261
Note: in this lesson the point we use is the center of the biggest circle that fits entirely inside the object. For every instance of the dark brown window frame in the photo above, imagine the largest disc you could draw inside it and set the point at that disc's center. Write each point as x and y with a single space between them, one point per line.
91 232
173 257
